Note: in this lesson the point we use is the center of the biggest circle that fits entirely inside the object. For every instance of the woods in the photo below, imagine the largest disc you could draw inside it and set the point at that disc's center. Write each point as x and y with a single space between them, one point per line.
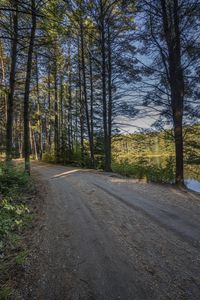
72 70
99 149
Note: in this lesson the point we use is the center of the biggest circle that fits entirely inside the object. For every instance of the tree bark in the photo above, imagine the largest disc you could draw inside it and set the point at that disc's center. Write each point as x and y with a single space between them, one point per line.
81 107
27 89
49 107
4 85
85 92
9 125
171 30
69 117
104 96
109 100
40 143
91 111
56 135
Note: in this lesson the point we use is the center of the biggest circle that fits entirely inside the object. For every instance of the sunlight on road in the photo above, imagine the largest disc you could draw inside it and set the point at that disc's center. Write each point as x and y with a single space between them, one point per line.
66 173
128 180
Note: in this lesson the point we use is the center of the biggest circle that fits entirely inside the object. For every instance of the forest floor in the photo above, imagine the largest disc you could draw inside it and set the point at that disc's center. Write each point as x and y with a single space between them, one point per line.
105 237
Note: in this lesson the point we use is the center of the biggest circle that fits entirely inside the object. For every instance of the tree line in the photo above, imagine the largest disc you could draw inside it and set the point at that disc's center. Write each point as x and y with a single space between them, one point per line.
69 70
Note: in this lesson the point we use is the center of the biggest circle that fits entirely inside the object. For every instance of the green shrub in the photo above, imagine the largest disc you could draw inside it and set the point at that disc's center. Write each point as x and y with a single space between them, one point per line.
5 293
48 156
14 217
12 179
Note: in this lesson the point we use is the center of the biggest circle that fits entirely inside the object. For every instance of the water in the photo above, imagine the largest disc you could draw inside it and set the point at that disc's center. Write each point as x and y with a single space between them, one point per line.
191 171
193 185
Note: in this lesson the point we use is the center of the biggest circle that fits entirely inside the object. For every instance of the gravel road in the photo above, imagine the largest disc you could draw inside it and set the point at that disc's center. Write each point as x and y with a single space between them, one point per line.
104 237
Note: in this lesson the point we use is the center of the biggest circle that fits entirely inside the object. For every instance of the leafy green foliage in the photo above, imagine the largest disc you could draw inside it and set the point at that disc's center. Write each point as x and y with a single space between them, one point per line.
12 179
15 216
21 257
48 156
12 217
5 293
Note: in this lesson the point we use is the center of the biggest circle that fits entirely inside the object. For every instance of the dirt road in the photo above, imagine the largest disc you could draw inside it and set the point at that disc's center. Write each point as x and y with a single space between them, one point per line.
104 237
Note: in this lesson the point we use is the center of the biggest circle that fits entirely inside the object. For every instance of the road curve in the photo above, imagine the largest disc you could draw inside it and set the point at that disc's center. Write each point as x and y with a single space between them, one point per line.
104 237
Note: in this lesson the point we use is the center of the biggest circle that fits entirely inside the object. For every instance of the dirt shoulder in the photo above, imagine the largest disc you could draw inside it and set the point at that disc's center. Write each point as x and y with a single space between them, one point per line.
20 212
31 235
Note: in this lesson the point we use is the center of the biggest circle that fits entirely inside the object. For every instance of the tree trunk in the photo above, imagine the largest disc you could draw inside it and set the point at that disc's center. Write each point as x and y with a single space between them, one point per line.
4 85
109 100
176 79
27 90
91 110
178 135
40 144
9 125
49 108
81 107
69 117
62 118
104 97
56 137
85 93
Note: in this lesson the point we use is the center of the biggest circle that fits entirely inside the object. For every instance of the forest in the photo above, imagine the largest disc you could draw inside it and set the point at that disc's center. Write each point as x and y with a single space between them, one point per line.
99 149
70 71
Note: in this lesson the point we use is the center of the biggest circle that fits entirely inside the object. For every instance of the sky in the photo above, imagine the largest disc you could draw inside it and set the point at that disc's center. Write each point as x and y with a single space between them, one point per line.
131 125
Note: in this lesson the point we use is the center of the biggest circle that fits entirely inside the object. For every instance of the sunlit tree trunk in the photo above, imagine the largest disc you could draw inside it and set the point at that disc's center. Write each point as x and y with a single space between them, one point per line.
9 126
40 143
3 71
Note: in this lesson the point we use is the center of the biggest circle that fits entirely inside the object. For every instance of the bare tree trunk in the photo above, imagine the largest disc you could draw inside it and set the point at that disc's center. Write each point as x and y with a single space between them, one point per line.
85 92
3 80
81 107
9 125
33 144
91 110
62 118
49 107
109 100
104 96
178 135
31 140
69 116
40 144
176 79
76 122
20 136
27 90
56 134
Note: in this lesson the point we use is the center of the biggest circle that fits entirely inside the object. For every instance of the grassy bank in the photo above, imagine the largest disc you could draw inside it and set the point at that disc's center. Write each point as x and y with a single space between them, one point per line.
142 168
154 168
15 218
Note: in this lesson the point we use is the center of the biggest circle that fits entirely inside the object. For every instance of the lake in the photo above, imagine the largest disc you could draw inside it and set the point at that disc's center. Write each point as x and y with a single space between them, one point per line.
157 168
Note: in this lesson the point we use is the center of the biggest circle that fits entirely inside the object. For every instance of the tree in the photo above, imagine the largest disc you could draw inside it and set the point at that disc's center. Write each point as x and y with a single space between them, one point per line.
14 42
169 37
27 88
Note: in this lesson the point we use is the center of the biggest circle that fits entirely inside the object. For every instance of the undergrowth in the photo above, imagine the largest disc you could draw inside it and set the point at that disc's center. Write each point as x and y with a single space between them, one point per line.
15 217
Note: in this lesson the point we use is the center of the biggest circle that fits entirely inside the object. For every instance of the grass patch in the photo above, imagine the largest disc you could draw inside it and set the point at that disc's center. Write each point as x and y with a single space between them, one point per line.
15 217
5 293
